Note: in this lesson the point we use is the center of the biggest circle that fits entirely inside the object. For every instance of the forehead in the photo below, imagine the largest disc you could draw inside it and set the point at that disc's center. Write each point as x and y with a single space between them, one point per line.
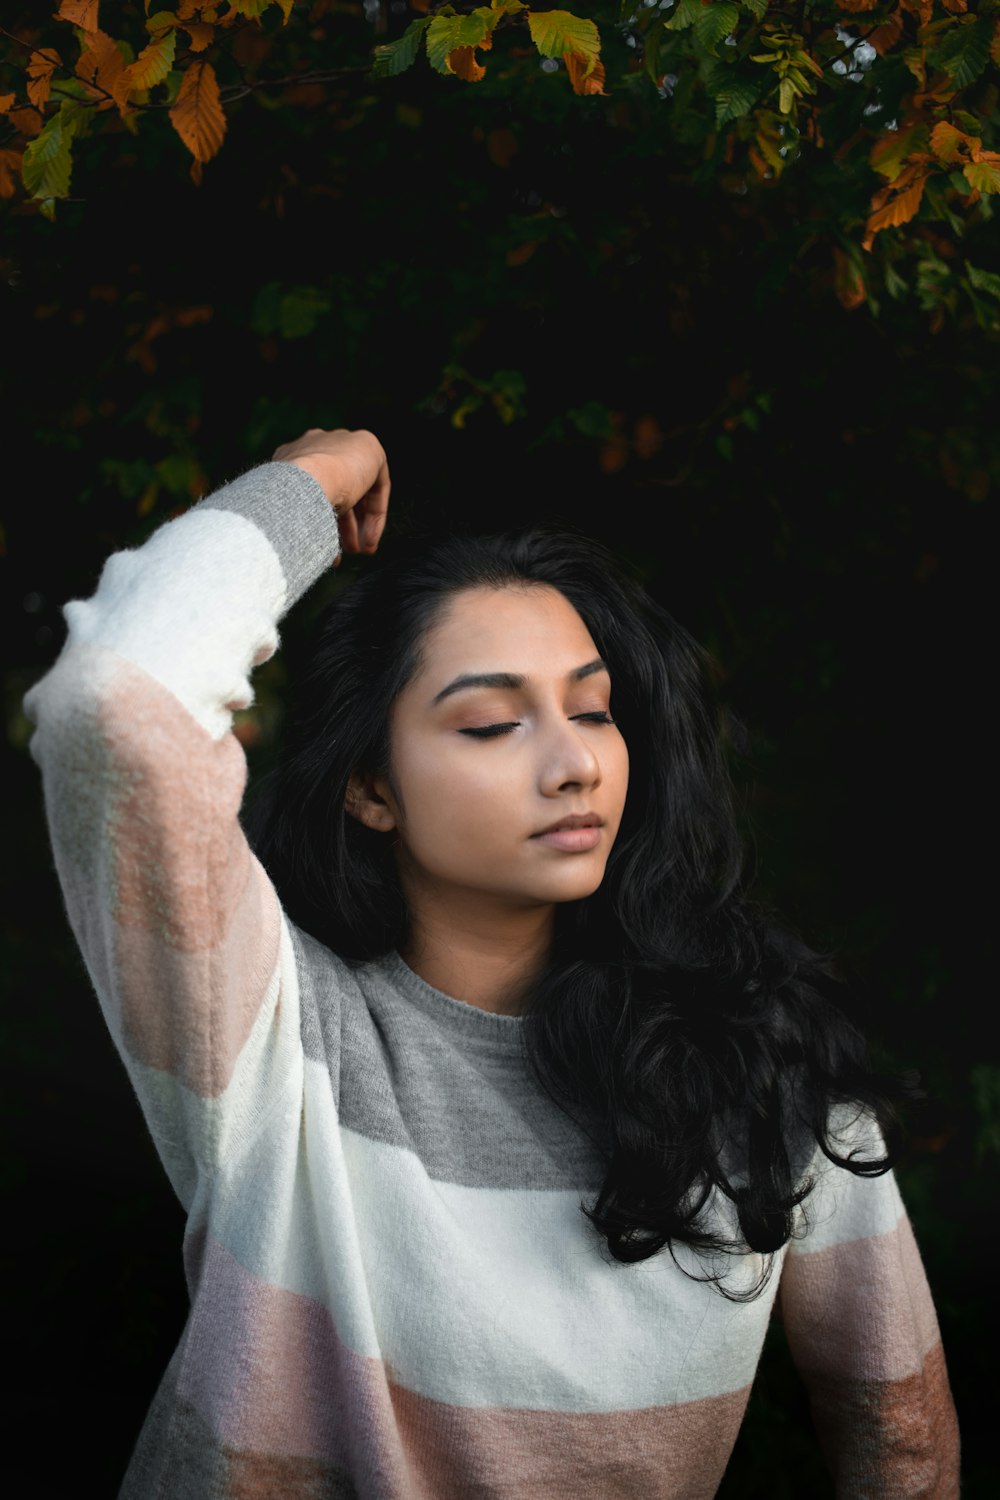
530 629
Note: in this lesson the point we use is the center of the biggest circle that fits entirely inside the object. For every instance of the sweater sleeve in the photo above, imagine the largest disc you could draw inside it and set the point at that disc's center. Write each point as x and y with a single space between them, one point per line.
179 927
863 1333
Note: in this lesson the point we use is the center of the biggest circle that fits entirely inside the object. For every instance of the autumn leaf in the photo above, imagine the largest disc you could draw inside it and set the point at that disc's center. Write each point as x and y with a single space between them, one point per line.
463 64
6 100
585 75
951 144
41 66
150 68
888 34
200 35
197 115
82 13
101 64
896 203
10 164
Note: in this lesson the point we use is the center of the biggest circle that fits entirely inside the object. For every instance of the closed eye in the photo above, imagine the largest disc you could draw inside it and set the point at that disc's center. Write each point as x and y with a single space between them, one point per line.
492 731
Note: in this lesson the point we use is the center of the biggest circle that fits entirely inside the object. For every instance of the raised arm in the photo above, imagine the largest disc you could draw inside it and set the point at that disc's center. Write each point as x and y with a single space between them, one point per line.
864 1336
179 927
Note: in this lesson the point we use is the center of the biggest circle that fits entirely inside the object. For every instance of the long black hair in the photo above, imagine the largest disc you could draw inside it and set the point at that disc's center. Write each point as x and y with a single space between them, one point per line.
699 1045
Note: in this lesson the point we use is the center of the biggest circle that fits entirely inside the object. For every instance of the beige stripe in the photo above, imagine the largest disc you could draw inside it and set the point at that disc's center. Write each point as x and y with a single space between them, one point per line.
861 1309
267 1371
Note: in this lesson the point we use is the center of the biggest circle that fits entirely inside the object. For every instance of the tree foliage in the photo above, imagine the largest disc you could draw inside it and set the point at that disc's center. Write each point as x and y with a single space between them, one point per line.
896 99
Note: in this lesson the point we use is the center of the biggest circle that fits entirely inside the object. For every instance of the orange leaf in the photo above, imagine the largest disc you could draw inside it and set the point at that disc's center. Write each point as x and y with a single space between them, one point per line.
10 171
582 81
26 119
895 204
856 5
40 69
847 282
197 115
200 34
888 34
82 13
6 100
501 146
957 7
101 64
922 9
462 62
521 253
951 144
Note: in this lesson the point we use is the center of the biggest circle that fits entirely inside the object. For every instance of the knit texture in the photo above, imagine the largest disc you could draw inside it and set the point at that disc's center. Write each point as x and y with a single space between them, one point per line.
394 1292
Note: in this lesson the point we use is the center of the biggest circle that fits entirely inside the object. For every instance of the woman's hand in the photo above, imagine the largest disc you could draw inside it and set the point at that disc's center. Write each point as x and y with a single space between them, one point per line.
354 473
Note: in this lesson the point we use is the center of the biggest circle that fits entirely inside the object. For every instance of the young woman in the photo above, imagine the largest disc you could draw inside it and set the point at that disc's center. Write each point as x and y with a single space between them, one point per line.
502 1120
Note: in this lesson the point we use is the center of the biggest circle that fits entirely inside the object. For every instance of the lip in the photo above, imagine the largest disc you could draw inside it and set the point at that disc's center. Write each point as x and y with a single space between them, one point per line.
575 834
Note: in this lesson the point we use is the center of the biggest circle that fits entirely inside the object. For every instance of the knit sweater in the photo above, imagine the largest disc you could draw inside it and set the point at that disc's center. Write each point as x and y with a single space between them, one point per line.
394 1292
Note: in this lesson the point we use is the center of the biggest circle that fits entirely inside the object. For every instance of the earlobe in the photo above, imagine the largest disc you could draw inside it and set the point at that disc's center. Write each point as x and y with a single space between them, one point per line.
364 800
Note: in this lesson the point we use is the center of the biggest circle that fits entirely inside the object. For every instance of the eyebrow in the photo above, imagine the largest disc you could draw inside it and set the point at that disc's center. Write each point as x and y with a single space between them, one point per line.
510 680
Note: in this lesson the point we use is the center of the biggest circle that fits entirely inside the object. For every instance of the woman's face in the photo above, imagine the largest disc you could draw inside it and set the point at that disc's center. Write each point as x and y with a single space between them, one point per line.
504 734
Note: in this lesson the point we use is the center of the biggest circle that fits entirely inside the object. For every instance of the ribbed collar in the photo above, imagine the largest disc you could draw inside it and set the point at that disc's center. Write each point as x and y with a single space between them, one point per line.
504 1032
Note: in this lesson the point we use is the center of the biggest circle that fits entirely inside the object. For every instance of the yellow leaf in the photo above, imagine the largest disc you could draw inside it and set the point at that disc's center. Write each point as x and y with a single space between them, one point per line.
40 69
951 144
82 13
152 65
100 65
10 171
984 175
197 115
585 74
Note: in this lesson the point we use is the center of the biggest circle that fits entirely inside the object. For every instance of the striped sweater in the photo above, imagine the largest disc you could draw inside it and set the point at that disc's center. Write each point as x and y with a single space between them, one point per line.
394 1292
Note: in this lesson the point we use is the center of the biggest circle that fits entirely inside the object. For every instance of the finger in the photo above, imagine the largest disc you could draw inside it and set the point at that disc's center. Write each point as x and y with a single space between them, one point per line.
375 508
347 522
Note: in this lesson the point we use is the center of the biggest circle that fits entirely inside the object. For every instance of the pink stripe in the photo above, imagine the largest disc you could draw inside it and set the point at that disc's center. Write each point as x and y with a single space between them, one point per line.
266 1369
860 1309
197 922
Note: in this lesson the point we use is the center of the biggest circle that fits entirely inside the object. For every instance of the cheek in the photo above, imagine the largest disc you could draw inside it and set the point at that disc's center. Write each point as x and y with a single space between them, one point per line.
448 791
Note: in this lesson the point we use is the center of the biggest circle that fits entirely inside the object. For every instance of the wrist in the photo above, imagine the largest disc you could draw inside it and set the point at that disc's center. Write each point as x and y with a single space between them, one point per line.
324 471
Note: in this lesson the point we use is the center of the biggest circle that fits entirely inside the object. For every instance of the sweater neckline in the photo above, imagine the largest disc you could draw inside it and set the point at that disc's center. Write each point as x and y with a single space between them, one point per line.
455 1015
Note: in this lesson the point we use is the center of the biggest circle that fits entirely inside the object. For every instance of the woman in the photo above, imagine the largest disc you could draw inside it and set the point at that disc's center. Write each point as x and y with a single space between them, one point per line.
502 1120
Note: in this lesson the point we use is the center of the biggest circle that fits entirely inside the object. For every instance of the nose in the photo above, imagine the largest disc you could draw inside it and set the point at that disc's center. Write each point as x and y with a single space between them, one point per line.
568 761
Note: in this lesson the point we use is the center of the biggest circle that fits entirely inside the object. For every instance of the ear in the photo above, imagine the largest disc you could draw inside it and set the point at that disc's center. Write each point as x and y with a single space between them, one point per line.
369 800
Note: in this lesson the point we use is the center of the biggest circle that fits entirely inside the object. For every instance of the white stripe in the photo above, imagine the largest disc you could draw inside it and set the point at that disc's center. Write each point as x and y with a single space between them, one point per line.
195 606
476 1296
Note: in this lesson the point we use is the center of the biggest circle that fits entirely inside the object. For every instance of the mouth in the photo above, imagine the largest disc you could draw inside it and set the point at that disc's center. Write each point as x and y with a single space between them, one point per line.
577 820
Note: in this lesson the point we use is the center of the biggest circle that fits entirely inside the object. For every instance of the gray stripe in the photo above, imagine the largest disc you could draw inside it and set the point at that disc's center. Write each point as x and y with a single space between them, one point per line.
290 507
416 1069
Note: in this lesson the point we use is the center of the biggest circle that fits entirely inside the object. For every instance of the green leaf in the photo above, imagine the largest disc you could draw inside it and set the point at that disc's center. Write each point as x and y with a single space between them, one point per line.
557 31
965 50
685 14
756 8
985 281
984 175
715 22
445 33
734 92
47 162
395 57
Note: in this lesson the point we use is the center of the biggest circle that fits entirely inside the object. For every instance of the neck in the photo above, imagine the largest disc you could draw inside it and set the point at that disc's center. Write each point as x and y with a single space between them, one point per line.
476 951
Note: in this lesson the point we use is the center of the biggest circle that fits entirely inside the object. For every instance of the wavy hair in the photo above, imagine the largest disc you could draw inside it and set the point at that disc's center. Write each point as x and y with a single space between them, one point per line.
699 1045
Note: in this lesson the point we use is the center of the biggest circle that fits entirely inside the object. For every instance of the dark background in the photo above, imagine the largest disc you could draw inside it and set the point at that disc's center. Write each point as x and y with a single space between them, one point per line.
806 487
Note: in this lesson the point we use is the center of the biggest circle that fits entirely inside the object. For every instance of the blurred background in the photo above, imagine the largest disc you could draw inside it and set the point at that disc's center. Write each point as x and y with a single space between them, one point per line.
593 310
